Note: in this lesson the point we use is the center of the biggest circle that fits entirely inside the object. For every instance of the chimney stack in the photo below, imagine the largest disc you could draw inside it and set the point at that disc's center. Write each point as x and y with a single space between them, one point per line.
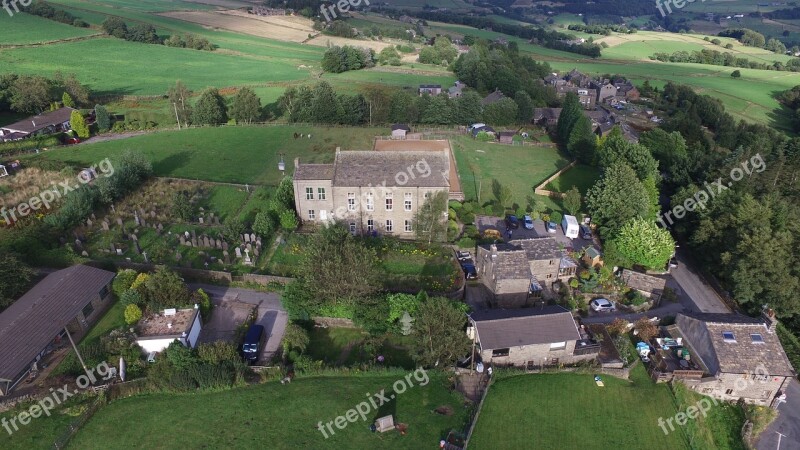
770 321
296 163
493 248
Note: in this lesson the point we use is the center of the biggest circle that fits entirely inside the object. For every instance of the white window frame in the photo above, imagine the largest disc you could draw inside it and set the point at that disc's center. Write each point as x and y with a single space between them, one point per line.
389 226
311 214
407 202
370 225
309 193
409 227
353 227
389 201
370 202
321 193
351 201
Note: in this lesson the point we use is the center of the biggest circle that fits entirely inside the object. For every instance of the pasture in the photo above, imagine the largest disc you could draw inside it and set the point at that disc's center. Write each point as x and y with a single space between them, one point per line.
282 28
27 29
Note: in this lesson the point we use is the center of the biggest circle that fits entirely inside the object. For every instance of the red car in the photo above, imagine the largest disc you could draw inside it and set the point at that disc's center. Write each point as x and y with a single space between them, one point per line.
72 140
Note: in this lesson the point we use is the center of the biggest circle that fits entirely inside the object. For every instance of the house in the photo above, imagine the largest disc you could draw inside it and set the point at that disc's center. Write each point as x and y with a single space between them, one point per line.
47 123
506 137
604 89
592 257
586 96
546 117
577 78
155 333
529 337
399 130
68 300
647 285
741 356
455 90
430 89
626 89
372 191
493 97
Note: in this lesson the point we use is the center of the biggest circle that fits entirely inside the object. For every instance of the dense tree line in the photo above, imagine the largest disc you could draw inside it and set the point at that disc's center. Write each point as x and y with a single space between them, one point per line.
44 9
745 35
716 58
441 52
604 29
33 94
146 33
342 59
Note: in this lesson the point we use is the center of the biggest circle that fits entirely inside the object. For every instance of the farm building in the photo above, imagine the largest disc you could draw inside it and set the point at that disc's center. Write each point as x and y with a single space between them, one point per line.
47 123
399 130
69 300
155 333
430 89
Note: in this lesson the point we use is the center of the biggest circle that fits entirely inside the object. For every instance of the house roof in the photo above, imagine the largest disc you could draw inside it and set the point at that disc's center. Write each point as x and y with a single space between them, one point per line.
42 121
742 356
492 98
546 113
504 328
430 86
400 126
507 133
592 252
540 248
36 318
644 282
485 128
511 265
157 326
314 172
371 168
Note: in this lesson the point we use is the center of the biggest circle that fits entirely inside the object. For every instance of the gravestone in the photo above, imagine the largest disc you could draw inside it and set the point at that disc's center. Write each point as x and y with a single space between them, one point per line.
160 227
152 214
245 237
178 255
219 244
255 251
206 242
200 220
119 253
247 260
183 240
194 234
89 222
226 256
252 237
194 241
249 247
144 224
119 221
113 248
94 217
136 218
258 242
78 244
85 254
186 233
238 252
216 221
144 255
105 225
138 248
224 245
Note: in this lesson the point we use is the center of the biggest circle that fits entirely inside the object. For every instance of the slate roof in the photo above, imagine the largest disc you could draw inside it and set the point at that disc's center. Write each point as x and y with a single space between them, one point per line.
592 252
644 282
314 172
369 168
511 265
704 333
505 328
42 121
400 126
546 113
540 248
34 320
492 98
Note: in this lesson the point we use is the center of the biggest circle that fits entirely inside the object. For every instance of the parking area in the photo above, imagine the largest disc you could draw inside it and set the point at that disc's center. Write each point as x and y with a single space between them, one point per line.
232 306
539 231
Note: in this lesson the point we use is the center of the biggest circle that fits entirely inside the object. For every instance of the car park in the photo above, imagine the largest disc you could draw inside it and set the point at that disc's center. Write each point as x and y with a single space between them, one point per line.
528 222
512 222
602 304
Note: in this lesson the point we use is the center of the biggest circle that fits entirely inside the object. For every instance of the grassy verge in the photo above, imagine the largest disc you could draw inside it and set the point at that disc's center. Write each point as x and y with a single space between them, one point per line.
719 428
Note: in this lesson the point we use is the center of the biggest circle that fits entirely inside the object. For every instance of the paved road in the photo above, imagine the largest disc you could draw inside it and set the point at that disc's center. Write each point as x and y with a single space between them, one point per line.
703 296
270 311
787 423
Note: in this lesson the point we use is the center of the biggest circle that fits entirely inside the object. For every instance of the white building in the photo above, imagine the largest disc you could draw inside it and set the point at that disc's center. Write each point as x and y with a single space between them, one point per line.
156 332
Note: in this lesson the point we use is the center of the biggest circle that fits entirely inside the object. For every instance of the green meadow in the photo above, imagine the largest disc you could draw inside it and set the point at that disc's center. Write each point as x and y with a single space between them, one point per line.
27 29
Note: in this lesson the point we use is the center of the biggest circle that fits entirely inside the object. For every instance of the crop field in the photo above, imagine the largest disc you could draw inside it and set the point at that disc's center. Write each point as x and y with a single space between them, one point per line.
282 28
27 29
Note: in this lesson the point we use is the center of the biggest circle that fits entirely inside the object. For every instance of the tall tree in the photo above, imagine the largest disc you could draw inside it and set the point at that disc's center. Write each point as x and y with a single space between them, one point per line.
502 112
30 94
325 107
379 102
78 124
616 149
246 106
572 200
429 221
102 118
641 242
403 108
67 101
438 333
524 107
582 142
210 109
438 111
571 111
468 108
617 198
15 276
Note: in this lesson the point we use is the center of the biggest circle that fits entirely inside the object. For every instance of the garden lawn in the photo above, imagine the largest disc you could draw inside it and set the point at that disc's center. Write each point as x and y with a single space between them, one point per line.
519 167
278 416
225 154
581 175
344 346
568 410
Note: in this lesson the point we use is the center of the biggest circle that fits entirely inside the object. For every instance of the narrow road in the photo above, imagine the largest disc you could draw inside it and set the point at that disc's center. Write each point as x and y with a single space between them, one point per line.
702 295
787 423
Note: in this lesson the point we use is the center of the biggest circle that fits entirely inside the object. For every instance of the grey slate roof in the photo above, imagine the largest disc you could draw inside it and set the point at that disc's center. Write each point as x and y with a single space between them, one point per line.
42 121
541 248
314 172
34 320
492 98
370 168
644 282
546 113
704 333
501 328
512 265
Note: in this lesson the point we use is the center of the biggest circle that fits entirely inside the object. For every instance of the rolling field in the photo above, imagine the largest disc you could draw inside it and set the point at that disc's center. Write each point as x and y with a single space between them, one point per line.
27 29
292 29
225 154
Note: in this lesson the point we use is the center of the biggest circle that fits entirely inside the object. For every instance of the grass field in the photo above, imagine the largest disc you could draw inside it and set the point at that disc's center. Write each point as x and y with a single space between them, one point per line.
581 175
275 415
565 410
27 29
519 167
225 154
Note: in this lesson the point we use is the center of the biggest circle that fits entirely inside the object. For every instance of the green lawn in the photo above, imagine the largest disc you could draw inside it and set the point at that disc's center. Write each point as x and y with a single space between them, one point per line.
27 29
566 410
519 167
581 175
112 319
43 431
276 416
225 154
226 201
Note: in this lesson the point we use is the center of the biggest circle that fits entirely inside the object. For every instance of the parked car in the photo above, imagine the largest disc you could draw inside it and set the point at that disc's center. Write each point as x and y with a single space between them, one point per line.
462 256
512 221
528 222
253 342
602 304
586 232
673 262
551 227
72 140
470 273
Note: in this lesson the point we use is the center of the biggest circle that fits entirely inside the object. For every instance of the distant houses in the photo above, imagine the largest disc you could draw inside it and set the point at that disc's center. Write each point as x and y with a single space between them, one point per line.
47 123
430 89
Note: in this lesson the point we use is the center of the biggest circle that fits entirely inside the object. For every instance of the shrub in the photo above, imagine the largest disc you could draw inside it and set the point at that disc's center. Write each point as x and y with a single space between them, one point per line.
468 218
289 220
469 207
452 229
123 281
456 205
202 300
636 298
466 242
140 280
556 217
451 213
471 231
132 297
483 136
617 327
133 314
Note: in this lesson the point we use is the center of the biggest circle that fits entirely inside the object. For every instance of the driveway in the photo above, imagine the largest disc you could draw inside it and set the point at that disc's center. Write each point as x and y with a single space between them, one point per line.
787 423
539 231
703 296
231 308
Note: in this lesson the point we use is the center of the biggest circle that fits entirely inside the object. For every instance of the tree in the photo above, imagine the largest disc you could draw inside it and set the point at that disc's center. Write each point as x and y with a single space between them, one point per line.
338 267
641 242
288 220
232 229
571 111
246 106
295 338
524 107
325 107
182 205
582 142
165 289
379 99
143 32
115 26
203 301
78 124
618 327
78 92
102 118
468 108
67 101
617 149
645 329
14 278
501 193
133 314
438 333
389 56
265 223
736 74
30 94
210 109
439 110
502 112
179 100
617 198
285 193
429 221
572 200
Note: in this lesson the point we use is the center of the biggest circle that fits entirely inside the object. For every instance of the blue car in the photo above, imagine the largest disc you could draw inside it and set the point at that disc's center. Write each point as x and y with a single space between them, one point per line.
470 273
512 222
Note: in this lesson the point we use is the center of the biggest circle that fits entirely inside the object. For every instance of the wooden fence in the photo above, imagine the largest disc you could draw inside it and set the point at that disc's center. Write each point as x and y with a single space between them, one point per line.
540 189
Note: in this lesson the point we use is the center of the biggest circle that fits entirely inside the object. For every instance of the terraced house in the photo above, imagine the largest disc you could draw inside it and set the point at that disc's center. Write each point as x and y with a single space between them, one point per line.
372 192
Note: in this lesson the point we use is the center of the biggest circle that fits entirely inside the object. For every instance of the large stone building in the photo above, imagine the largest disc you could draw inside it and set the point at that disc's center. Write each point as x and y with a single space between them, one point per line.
372 192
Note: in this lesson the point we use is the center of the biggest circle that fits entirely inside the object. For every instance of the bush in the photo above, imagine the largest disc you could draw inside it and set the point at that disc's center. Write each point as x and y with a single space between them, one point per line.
556 217
201 299
466 242
123 281
468 218
452 229
471 231
133 314
289 220
636 298
451 213
470 207
132 297
456 205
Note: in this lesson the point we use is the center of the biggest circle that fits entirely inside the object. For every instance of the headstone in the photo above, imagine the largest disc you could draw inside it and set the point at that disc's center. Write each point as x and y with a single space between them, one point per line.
78 244
178 255
258 242
255 252
119 253
216 221
186 234
219 244
160 227
206 242
119 221
138 248
113 248
252 237
183 240
105 226
194 234
112 208
144 255
226 256
152 214
249 247
144 224
194 241
247 260
200 220
136 218
85 254
238 252
211 215
89 222
134 237
245 237
94 217
224 245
